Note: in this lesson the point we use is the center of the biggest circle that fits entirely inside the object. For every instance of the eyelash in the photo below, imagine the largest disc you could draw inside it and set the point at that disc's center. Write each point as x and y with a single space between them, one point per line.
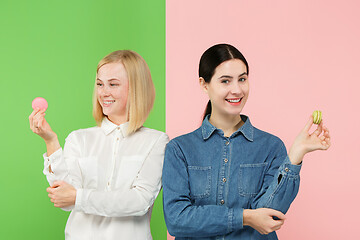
227 81
111 84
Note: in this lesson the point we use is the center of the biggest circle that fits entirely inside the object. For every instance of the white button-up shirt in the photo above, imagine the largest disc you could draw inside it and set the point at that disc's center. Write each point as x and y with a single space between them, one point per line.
117 178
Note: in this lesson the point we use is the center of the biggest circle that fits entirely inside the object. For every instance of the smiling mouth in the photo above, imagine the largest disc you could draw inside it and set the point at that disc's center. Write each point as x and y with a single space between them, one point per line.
108 103
234 100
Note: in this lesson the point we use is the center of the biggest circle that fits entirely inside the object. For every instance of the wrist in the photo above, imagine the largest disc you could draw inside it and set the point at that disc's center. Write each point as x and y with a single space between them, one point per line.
51 140
74 197
52 145
296 156
247 217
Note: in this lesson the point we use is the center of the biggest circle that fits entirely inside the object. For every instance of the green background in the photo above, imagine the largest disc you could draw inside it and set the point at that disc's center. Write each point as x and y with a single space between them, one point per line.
51 49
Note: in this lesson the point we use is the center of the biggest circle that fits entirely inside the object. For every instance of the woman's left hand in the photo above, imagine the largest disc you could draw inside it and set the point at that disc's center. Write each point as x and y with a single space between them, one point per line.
62 194
307 142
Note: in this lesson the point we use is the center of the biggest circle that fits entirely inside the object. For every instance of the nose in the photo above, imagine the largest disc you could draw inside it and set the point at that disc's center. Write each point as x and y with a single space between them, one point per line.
106 91
236 88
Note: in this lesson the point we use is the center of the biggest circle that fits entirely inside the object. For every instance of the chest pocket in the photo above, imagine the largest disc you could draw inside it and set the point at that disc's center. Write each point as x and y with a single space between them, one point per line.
130 167
251 177
89 171
199 181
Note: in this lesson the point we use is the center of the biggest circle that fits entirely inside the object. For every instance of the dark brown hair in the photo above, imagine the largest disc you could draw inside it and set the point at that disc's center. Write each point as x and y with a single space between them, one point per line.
212 58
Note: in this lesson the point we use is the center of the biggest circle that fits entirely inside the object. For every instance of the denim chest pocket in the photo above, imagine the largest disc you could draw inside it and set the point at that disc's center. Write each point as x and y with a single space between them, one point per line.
199 181
251 178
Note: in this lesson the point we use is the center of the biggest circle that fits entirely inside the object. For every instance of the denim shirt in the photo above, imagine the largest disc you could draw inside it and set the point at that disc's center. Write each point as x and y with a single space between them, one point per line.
209 179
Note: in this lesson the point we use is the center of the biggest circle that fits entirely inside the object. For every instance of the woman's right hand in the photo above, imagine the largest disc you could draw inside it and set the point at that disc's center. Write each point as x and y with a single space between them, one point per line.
40 126
262 219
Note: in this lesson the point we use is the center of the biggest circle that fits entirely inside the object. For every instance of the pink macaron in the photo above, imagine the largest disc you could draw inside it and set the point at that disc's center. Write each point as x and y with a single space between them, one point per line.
40 103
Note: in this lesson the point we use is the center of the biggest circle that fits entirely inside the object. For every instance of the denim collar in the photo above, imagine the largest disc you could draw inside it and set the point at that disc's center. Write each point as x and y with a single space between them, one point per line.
247 129
107 126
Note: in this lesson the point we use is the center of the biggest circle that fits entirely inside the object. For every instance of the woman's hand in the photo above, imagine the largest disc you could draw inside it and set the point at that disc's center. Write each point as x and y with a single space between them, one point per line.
262 219
307 142
40 126
62 194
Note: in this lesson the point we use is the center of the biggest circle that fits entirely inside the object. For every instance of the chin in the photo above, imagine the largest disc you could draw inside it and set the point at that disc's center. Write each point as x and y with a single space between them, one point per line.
235 112
106 113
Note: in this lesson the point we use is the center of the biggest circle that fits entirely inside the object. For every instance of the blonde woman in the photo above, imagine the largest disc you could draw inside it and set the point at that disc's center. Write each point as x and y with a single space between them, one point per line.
108 176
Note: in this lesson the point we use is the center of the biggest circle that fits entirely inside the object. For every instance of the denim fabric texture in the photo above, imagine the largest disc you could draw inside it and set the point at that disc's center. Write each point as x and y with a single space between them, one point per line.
208 179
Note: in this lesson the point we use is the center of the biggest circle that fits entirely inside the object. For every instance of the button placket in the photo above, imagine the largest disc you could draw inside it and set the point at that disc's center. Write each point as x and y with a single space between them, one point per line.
115 151
223 177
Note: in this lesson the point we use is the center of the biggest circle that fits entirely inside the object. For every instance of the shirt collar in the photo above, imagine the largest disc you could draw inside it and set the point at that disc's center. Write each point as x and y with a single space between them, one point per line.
246 129
107 126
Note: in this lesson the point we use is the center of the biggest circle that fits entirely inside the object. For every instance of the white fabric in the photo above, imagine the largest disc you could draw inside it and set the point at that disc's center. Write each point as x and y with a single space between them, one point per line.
117 178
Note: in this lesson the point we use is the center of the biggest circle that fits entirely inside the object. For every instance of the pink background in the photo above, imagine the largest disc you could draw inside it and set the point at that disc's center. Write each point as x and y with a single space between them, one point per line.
303 55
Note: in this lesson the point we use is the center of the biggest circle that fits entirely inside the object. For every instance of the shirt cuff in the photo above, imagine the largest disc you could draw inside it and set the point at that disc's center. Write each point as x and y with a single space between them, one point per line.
55 155
235 219
289 168
78 200
51 160
82 200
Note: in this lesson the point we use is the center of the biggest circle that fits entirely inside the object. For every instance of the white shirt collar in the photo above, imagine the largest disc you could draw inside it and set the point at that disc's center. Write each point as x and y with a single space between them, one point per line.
107 126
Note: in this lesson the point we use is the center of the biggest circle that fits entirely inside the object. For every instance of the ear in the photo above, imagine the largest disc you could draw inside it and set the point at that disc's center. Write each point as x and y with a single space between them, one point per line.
203 84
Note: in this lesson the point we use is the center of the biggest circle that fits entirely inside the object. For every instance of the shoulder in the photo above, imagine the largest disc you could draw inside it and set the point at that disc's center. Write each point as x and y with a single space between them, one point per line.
83 133
150 134
265 135
185 141
266 139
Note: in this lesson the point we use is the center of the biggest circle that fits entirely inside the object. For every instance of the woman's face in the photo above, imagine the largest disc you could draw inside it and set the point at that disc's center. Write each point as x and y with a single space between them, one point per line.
112 88
228 89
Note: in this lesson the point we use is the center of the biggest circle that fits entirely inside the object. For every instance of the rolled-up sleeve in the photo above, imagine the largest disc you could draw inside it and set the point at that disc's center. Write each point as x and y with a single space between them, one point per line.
64 163
281 183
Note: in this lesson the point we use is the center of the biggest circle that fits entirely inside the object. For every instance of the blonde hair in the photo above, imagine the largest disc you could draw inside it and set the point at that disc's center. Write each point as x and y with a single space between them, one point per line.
141 88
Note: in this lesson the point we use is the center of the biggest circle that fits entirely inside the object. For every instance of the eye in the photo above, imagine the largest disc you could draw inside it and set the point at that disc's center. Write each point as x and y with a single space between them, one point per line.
114 84
242 79
99 84
225 81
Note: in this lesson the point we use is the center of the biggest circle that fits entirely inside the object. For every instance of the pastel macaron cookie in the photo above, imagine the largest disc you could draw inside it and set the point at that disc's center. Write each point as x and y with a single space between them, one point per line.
317 116
40 103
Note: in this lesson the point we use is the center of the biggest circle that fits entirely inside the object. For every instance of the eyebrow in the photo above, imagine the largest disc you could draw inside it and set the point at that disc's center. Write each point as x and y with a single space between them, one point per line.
112 79
227 76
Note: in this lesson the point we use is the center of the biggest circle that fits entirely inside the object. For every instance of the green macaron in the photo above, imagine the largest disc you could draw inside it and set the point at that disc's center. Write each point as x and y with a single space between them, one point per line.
317 116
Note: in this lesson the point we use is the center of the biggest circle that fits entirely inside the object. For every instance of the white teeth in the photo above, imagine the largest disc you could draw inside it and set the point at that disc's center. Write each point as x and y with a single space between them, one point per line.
233 100
108 102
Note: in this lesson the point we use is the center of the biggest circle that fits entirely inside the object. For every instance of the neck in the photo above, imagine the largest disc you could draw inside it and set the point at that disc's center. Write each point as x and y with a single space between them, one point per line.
228 124
117 120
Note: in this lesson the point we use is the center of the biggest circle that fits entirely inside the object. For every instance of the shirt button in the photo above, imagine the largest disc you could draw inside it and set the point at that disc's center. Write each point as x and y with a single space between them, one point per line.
286 169
117 139
226 160
224 179
222 202
227 143
118 128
